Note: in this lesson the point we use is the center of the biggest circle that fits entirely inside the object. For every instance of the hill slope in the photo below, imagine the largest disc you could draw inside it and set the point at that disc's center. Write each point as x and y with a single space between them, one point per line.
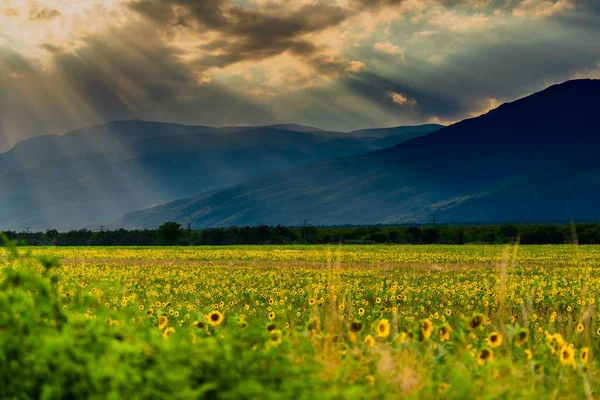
535 158
77 188
90 139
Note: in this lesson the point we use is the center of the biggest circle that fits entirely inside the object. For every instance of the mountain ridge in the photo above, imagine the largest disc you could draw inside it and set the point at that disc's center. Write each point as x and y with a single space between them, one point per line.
456 171
86 186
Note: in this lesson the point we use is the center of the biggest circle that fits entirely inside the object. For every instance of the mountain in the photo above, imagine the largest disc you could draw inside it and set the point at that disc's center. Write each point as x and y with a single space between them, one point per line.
287 127
407 131
94 138
99 173
535 158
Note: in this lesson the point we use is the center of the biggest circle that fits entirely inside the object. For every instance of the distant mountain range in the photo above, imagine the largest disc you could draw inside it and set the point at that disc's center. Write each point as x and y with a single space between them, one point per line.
96 174
535 158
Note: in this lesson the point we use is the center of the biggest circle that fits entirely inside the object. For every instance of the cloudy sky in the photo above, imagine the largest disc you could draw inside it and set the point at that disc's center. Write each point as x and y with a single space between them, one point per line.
335 64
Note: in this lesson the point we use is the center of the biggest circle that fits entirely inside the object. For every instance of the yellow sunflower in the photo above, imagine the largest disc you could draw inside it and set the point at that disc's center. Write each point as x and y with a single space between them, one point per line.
162 322
584 355
445 331
383 329
276 337
215 318
426 328
495 339
355 326
476 322
521 337
554 342
168 332
567 356
485 356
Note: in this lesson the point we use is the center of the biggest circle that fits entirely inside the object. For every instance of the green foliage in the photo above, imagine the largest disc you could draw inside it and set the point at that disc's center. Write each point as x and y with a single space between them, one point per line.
169 233
52 349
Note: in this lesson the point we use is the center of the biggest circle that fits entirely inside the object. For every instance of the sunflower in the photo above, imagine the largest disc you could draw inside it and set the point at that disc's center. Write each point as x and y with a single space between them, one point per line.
426 329
361 311
443 387
495 339
383 329
528 354
355 326
276 337
554 342
168 332
162 322
199 324
369 341
485 355
401 338
567 356
445 331
215 318
271 327
584 355
311 301
476 321
271 315
521 337
580 327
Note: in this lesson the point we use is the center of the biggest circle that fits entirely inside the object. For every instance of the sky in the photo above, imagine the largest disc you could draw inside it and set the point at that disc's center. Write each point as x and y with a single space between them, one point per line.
335 64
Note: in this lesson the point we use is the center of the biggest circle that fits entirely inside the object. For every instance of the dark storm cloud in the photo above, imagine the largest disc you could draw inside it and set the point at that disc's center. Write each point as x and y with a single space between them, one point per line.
466 81
250 34
140 70
124 74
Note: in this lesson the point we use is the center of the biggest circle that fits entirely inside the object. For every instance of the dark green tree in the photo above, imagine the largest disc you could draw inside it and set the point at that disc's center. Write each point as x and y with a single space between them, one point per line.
169 233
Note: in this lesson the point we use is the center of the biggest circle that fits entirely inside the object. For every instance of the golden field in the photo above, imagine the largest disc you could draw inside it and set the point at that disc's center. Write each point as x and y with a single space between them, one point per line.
469 321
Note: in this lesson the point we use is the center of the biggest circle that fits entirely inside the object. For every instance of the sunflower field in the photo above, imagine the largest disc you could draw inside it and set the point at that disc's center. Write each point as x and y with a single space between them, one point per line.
303 322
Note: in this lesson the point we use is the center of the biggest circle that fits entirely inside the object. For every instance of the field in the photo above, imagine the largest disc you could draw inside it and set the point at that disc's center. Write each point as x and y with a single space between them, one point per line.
300 322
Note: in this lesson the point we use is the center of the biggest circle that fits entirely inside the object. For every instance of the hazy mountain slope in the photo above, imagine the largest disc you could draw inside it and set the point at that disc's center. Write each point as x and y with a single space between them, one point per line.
94 187
91 139
408 131
535 156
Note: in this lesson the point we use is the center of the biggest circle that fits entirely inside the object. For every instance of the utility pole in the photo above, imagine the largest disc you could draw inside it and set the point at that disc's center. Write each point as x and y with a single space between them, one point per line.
305 231
189 226
433 217
27 228
101 228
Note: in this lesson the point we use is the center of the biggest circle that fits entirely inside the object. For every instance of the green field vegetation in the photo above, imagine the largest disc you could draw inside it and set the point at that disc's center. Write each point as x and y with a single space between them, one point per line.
368 321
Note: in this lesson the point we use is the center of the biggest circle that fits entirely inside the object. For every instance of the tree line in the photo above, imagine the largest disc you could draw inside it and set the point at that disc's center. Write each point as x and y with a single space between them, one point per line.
172 233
